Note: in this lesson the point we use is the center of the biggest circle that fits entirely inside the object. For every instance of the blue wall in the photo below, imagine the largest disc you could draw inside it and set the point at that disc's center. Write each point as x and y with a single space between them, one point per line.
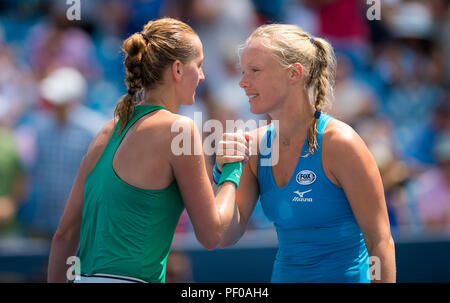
416 262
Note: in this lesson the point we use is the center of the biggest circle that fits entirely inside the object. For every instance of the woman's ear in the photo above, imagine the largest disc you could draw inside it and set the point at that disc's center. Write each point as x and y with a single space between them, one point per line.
296 72
177 70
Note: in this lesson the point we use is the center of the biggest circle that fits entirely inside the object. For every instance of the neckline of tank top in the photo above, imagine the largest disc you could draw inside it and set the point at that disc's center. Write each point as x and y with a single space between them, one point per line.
144 106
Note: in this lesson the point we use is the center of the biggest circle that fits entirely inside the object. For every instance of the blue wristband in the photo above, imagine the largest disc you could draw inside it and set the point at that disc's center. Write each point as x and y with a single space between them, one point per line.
216 173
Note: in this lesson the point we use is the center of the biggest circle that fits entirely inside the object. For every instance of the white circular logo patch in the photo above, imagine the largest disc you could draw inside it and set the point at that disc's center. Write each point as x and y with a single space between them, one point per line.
306 177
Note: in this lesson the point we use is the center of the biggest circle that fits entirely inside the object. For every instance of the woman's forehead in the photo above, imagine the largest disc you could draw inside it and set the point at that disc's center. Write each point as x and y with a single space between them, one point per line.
255 51
196 42
197 45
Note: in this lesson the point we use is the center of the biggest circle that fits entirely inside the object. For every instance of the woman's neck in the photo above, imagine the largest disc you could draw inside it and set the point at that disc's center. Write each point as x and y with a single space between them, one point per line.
294 117
163 96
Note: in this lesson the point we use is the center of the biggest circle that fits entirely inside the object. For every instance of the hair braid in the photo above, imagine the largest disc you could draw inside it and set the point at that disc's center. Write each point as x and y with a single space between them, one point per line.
133 47
320 77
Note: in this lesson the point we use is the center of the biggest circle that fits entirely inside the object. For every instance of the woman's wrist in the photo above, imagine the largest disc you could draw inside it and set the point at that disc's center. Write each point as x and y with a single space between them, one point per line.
232 173
216 173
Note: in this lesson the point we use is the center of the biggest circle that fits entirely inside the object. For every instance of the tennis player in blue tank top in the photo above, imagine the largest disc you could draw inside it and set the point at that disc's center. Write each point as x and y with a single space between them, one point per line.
316 179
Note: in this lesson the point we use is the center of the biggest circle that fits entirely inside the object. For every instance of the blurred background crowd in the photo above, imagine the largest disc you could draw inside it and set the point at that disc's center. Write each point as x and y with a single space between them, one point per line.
60 80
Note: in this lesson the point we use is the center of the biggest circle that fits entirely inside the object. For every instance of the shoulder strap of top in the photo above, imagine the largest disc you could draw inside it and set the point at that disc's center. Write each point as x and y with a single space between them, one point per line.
321 126
139 112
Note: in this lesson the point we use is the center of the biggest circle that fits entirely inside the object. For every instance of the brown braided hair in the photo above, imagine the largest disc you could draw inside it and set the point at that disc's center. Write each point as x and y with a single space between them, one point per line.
147 55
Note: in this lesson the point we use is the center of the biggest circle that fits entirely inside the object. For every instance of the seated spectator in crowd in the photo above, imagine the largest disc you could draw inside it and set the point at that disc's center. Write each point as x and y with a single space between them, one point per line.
355 100
11 174
433 191
62 135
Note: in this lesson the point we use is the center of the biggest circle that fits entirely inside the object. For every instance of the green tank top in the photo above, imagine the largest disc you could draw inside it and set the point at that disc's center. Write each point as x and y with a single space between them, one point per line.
126 231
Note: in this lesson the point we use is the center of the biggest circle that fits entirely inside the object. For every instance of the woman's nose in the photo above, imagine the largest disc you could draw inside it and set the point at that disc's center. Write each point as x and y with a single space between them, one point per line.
243 83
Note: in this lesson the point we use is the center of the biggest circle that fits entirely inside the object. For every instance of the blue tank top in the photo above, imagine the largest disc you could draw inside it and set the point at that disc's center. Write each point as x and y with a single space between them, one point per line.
319 239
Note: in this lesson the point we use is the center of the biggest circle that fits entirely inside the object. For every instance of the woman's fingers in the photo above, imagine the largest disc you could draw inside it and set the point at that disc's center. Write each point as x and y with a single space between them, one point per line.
239 137
233 147
231 159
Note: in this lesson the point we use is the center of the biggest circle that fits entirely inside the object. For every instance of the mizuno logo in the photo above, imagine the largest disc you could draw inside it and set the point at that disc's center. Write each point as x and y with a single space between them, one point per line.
300 197
302 193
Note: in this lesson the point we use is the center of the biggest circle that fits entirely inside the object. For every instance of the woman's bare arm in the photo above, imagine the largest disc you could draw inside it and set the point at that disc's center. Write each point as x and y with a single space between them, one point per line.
354 169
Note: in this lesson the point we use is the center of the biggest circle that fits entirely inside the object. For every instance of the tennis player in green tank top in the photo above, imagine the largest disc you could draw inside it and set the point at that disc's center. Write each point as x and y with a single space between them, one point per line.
131 188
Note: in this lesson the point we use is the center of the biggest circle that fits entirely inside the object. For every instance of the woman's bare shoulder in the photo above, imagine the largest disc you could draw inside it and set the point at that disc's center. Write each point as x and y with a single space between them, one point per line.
339 135
166 121
343 148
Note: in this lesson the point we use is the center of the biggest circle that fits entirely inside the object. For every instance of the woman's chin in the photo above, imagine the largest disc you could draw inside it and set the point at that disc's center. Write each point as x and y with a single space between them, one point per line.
188 102
256 110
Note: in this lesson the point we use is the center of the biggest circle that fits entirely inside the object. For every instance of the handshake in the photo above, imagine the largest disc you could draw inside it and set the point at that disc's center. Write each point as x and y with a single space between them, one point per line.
233 150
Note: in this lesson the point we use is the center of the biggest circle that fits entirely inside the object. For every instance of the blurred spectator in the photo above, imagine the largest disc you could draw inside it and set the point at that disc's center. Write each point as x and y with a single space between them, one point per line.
441 15
62 135
342 20
412 19
344 24
410 68
303 14
433 191
12 86
378 135
232 21
16 85
141 11
11 174
270 11
354 99
55 42
424 140
114 16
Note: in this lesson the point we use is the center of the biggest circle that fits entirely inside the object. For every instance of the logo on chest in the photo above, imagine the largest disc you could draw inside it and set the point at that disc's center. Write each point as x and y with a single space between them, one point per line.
305 177
300 196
